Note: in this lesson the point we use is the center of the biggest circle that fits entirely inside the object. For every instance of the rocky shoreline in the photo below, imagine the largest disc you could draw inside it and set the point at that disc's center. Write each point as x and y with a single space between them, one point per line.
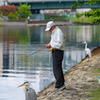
80 80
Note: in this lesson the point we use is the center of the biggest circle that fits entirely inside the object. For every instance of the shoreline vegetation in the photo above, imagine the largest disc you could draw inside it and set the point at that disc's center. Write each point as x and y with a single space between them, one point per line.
66 20
81 81
85 20
12 12
81 19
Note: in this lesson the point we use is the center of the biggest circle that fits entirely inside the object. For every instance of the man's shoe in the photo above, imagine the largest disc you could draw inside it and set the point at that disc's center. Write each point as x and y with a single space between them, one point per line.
62 86
55 89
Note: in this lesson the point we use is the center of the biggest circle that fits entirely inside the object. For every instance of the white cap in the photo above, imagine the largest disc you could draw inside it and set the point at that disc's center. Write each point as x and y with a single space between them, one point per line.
49 25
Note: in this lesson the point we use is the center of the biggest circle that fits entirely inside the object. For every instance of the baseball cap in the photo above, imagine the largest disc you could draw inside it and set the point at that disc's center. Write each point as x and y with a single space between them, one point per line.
49 25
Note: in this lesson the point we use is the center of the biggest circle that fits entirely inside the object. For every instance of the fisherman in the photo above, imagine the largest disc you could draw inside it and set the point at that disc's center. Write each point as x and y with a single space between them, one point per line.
57 47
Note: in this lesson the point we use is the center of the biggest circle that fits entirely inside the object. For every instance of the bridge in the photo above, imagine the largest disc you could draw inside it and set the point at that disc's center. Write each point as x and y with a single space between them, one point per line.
52 4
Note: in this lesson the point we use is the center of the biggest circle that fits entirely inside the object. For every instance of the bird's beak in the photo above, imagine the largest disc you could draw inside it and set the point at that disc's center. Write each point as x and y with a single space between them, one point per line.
82 42
20 85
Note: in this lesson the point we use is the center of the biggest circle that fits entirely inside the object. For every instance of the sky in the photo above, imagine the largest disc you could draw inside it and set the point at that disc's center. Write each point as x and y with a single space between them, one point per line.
1 3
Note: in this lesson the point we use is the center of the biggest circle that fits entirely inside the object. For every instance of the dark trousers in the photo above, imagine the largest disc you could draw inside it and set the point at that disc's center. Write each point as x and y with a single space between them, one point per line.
57 67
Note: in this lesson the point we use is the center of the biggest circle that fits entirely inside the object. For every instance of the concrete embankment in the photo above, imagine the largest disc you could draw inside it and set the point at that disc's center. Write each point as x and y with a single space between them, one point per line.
14 24
34 23
43 23
80 80
40 23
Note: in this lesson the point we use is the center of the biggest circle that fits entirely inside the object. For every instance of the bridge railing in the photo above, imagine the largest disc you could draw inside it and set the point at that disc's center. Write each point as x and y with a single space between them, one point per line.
37 0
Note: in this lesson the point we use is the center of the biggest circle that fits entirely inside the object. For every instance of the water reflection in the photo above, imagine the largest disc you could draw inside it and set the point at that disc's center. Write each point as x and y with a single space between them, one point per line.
17 43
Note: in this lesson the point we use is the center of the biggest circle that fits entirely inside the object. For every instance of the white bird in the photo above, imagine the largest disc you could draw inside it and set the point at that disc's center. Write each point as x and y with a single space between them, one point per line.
30 93
87 50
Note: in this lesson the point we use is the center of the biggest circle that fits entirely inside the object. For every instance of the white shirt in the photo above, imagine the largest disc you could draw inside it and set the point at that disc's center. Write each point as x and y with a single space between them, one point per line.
57 39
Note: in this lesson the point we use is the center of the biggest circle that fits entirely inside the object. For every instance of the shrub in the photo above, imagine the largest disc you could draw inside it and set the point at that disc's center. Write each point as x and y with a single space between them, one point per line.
24 11
55 17
78 15
95 20
6 9
12 15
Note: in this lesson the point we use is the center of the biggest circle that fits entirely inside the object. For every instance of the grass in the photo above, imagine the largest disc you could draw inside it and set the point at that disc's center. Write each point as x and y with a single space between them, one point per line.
96 71
82 20
95 94
1 22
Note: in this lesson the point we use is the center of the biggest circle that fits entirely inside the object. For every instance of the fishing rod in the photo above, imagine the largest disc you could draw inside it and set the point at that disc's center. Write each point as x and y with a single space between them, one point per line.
26 57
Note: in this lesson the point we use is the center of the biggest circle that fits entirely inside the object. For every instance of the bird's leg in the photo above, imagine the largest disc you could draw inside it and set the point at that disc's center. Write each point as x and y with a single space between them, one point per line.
87 59
89 62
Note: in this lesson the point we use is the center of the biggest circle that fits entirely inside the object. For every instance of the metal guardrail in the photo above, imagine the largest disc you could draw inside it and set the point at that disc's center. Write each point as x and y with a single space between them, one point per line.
5 18
35 0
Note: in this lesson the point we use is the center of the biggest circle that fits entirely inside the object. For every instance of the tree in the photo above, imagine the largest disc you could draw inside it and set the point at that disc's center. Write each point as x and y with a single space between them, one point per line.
90 2
24 11
78 15
94 14
6 9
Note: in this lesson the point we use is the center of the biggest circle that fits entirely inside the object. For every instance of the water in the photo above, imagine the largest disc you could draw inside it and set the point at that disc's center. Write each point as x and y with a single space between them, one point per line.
17 43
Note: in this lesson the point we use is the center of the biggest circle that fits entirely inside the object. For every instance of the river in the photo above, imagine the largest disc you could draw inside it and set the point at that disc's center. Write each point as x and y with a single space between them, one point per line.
17 43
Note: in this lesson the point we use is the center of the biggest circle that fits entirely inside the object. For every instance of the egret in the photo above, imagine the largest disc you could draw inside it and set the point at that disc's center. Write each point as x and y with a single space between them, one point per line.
87 50
30 93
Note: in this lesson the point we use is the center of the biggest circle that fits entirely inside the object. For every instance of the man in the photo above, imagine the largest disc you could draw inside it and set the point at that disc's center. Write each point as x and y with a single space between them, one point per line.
57 45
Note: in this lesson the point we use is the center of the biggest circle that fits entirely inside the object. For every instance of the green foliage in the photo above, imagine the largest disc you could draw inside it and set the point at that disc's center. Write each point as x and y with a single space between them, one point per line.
55 17
0 15
12 15
95 14
24 11
88 14
83 19
90 2
75 5
78 15
91 20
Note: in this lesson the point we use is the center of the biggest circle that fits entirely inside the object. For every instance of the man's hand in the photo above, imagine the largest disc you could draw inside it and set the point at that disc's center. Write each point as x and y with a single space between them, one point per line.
48 45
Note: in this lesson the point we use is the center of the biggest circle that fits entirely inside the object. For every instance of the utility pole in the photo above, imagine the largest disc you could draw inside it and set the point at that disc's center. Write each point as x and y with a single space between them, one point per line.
5 2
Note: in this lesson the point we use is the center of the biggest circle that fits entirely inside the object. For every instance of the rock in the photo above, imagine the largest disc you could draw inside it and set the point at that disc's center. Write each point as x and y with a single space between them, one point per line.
78 80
